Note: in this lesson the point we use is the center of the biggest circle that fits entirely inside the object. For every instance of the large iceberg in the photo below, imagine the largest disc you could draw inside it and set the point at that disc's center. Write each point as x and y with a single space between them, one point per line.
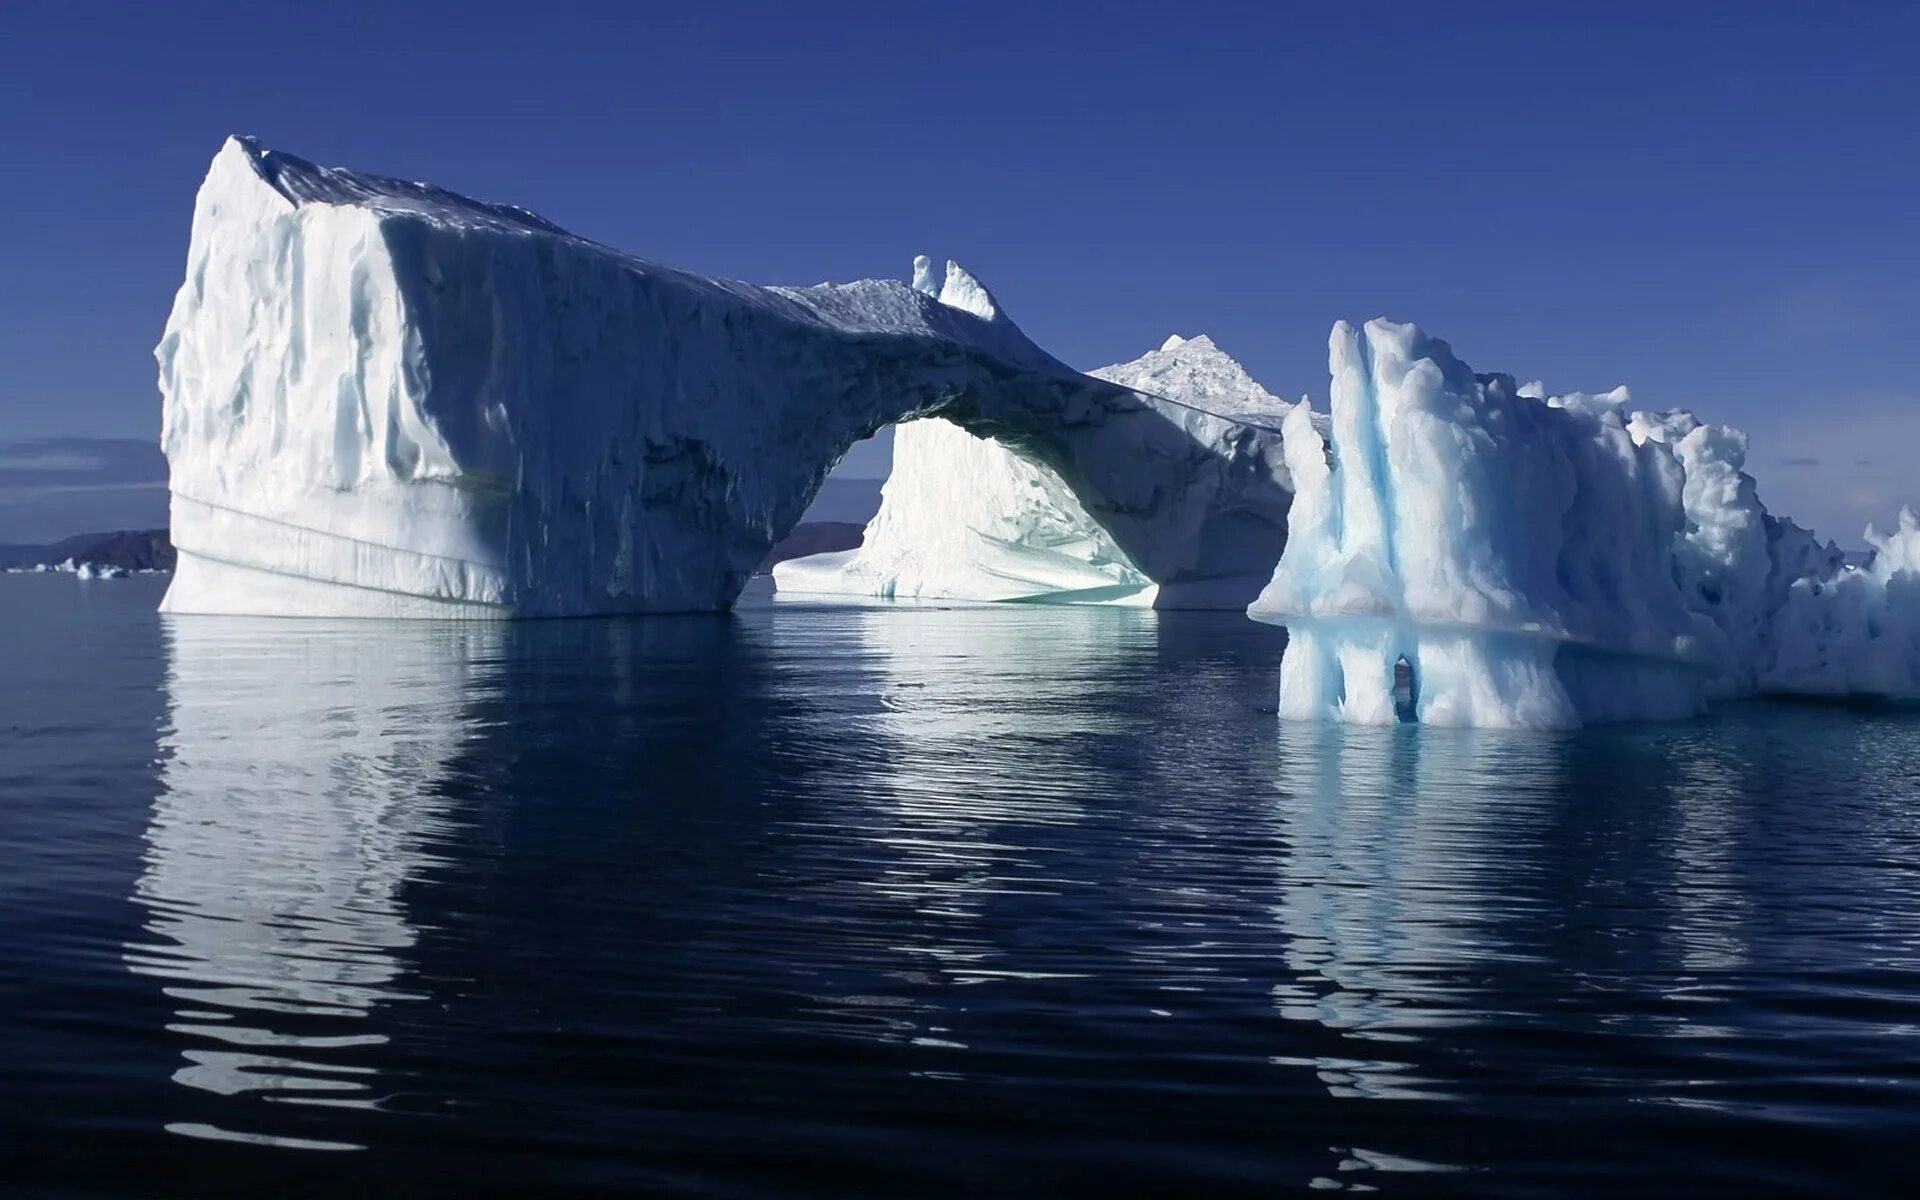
382 398
1466 554
964 517
1469 552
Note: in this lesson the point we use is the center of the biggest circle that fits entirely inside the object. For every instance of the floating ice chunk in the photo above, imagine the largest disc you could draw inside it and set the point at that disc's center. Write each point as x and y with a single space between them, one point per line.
1529 565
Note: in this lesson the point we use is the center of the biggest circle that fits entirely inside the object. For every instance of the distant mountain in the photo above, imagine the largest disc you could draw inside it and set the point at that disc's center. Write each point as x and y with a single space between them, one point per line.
127 549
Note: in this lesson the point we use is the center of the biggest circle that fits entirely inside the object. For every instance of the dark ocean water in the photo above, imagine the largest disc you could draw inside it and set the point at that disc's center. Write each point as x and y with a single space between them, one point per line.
843 901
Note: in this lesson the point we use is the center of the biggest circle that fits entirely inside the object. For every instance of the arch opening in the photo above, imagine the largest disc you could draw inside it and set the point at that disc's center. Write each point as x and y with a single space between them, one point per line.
965 516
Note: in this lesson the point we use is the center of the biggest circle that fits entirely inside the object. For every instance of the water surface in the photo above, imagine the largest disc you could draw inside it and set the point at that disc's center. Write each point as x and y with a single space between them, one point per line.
914 901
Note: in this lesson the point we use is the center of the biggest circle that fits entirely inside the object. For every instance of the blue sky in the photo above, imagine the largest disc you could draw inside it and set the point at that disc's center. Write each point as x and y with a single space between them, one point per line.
1717 205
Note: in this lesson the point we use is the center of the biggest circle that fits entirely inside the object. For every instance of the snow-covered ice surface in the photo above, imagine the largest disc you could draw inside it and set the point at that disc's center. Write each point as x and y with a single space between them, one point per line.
385 399
1194 371
968 518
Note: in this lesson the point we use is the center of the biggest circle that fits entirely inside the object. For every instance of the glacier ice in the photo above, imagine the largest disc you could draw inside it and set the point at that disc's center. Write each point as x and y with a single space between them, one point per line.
1196 372
1734 562
1515 554
1468 552
964 517
1021 534
1856 631
385 399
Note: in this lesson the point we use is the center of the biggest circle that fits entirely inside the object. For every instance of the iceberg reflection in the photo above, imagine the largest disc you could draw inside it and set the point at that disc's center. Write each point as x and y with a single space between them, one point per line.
1399 885
960 802
298 798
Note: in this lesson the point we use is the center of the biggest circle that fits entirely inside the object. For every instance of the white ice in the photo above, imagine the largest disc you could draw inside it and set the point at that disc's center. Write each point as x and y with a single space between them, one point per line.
1734 562
1855 632
965 517
385 399
1545 561
1516 554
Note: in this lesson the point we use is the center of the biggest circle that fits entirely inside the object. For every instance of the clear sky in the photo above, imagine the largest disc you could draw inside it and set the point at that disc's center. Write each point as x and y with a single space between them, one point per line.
1716 204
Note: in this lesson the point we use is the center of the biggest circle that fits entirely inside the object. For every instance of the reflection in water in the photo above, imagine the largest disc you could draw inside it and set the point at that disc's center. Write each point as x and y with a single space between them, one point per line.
297 800
917 899
1710 910
1604 893
1399 882
980 762
975 763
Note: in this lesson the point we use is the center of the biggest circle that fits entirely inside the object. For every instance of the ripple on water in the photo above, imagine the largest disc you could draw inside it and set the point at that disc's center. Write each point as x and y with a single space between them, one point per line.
924 899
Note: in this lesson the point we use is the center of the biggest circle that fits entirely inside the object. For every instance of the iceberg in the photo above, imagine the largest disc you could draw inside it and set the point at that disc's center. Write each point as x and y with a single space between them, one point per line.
969 518
382 398
1734 562
1466 553
1856 631
1022 535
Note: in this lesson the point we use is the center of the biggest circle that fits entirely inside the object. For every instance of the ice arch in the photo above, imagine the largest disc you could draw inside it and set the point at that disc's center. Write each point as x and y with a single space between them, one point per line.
962 518
382 398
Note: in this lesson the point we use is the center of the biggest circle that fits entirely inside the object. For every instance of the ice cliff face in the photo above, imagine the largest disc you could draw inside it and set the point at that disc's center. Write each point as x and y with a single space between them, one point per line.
382 398
1854 632
1546 561
1733 562
1515 554
968 518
